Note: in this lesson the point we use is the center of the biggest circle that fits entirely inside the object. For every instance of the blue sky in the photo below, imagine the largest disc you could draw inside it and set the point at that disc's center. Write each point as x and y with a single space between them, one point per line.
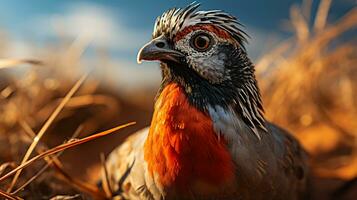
259 16
123 26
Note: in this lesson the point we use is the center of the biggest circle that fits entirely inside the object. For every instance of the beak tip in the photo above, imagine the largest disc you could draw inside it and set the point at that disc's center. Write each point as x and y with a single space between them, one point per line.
139 59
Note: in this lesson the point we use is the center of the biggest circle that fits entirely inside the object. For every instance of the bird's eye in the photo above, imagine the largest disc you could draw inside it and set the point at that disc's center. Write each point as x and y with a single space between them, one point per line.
201 42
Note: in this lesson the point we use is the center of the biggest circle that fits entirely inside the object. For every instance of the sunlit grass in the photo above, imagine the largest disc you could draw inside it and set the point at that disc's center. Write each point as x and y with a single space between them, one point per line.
309 85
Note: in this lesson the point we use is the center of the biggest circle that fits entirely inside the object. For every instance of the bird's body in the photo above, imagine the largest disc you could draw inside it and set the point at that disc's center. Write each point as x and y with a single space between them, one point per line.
208 138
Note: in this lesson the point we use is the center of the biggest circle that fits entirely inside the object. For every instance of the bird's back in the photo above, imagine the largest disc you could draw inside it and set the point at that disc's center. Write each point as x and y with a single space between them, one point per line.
271 168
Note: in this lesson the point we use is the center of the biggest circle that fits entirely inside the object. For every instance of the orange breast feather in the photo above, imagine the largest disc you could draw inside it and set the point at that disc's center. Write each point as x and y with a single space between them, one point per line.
182 146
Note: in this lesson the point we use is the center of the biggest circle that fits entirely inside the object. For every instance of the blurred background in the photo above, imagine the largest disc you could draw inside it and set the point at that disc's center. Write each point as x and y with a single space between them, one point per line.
306 61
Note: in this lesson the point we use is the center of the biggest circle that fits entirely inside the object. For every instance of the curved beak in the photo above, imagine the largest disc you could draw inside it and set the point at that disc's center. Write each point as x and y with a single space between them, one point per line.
159 49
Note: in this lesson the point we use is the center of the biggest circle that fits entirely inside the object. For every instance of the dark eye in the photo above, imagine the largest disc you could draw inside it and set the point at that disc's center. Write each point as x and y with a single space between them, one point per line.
201 42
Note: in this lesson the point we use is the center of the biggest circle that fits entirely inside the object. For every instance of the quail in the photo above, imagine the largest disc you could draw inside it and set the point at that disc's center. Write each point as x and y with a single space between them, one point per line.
208 137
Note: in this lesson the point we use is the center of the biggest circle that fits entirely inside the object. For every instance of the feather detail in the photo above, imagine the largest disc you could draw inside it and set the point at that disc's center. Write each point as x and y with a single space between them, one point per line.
175 20
182 147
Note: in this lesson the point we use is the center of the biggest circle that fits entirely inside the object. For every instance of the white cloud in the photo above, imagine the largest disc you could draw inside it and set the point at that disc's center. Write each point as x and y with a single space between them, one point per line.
99 25
94 23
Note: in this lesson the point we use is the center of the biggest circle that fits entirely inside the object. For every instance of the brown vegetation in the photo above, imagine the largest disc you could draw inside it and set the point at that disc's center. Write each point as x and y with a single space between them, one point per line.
308 83
309 86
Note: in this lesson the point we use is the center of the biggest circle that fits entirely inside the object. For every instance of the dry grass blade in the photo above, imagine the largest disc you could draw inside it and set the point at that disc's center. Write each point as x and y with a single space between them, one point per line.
300 24
347 22
8 196
106 186
57 165
85 100
28 130
63 147
306 9
321 15
67 197
50 160
34 177
4 166
7 63
83 186
46 125
6 92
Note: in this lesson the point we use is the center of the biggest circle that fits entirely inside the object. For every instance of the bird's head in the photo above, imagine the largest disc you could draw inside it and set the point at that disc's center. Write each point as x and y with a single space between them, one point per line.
203 41
204 52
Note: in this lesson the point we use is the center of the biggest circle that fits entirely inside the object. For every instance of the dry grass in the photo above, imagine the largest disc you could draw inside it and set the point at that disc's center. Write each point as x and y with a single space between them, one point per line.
38 98
60 148
309 86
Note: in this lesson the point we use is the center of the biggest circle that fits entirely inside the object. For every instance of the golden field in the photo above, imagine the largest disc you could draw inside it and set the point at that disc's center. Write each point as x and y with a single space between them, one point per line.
308 85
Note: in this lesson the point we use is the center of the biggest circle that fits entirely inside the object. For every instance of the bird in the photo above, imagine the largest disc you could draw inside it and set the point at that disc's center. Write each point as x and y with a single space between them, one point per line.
208 137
